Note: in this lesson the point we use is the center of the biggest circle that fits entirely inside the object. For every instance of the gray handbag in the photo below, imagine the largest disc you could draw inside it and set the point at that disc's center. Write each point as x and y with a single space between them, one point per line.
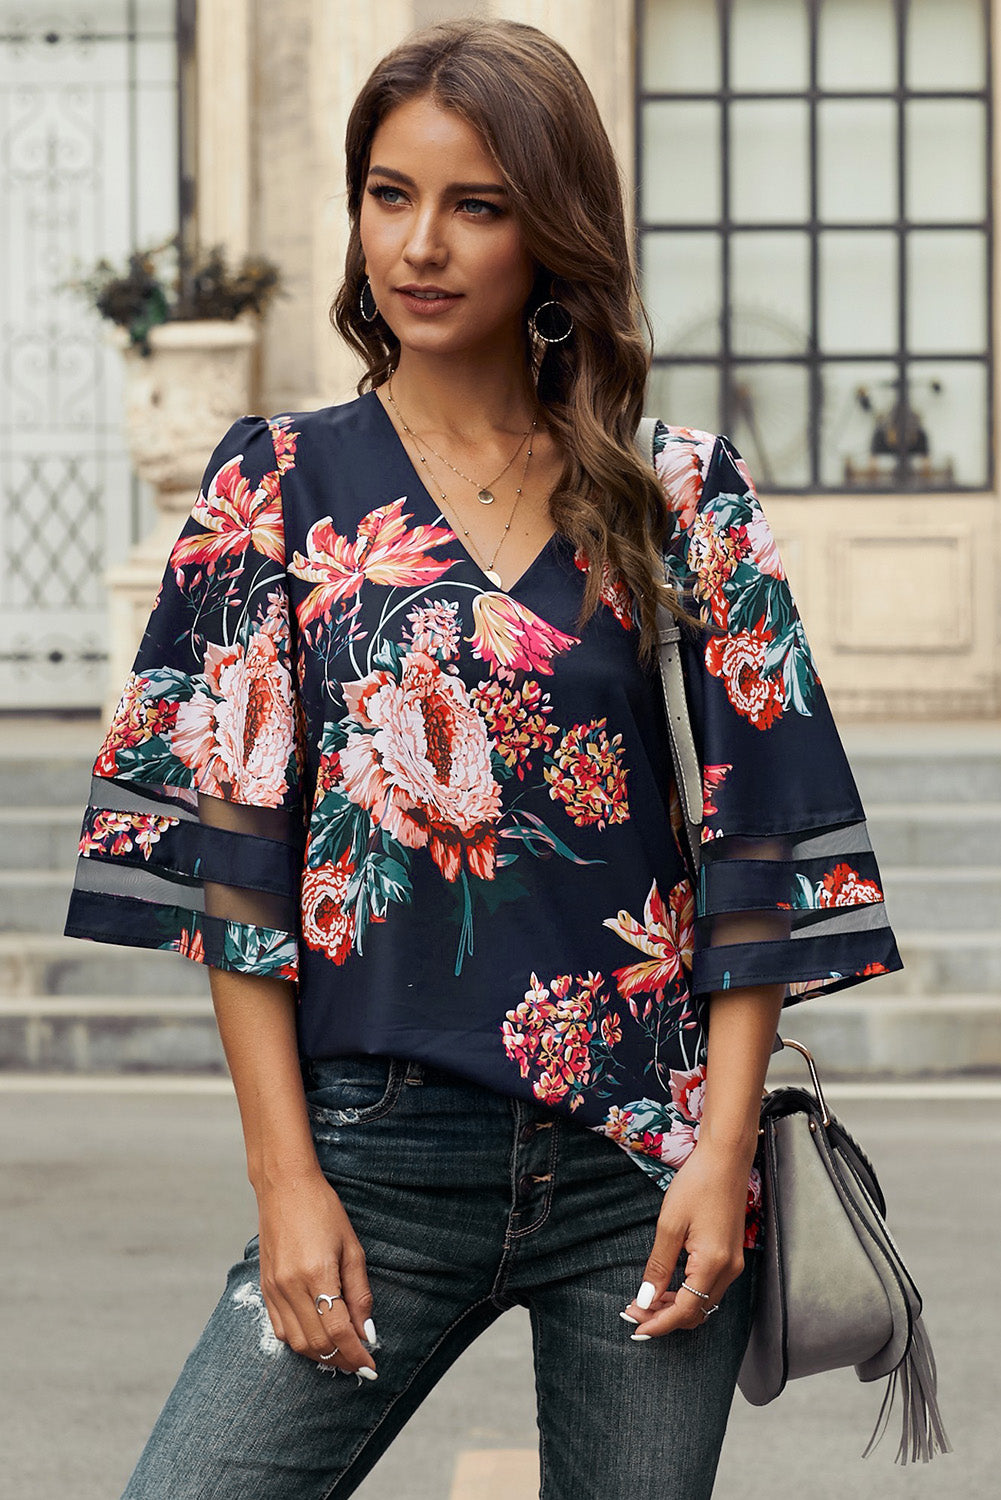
833 1290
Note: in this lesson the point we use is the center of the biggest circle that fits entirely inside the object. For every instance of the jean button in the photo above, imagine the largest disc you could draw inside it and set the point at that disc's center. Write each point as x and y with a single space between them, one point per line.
525 1185
526 1133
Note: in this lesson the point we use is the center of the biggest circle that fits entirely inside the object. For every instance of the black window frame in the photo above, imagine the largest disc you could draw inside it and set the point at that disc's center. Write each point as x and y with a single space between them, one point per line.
814 359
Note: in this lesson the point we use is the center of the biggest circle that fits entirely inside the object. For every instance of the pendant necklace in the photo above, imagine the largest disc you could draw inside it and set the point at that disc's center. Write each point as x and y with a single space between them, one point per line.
488 567
484 492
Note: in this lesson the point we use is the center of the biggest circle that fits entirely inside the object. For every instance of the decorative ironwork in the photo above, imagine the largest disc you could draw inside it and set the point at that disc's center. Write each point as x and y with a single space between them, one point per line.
90 113
902 367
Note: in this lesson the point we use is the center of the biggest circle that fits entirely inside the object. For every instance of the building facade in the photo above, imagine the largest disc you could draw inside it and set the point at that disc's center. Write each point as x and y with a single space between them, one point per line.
812 182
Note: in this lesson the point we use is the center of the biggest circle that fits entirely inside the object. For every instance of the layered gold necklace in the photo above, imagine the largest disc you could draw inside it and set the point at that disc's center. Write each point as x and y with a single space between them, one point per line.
484 492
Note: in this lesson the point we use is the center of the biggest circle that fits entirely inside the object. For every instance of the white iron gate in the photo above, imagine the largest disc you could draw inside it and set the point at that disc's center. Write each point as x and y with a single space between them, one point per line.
88 167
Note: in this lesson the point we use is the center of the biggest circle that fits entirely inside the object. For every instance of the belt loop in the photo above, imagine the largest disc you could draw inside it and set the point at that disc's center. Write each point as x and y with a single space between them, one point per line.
415 1072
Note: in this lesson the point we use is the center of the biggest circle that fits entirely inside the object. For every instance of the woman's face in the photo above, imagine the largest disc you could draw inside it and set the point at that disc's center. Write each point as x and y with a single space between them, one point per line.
436 215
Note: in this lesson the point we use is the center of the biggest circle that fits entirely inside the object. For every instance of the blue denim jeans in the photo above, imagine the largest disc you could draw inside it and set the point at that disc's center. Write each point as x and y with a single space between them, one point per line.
466 1203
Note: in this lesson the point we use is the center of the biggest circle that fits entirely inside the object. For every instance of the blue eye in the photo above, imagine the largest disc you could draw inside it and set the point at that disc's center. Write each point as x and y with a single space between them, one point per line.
382 189
479 203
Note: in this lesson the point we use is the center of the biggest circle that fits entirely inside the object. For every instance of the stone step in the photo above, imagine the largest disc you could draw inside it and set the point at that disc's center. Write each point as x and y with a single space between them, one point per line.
870 1034
945 963
952 899
92 1034
45 780
50 964
939 763
956 833
39 838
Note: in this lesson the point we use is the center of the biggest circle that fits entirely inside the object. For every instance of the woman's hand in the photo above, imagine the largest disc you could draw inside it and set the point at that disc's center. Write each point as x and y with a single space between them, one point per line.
703 1213
308 1247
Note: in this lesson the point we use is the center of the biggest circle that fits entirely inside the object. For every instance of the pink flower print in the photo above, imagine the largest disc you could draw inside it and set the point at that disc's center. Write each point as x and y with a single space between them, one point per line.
116 833
235 517
665 935
688 1090
552 1036
614 591
284 443
739 660
587 776
762 551
712 777
327 926
512 638
385 551
681 468
434 628
238 736
424 769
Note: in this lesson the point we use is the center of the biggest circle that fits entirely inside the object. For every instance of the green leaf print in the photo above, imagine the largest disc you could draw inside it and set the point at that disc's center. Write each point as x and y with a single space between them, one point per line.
337 824
257 950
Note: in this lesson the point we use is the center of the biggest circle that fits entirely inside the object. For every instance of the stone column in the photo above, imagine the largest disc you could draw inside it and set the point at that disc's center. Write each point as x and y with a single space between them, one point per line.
346 41
224 94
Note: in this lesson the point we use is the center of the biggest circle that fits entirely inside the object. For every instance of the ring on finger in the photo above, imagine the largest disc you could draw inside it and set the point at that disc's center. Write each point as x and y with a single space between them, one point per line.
695 1293
707 1312
329 1298
330 1355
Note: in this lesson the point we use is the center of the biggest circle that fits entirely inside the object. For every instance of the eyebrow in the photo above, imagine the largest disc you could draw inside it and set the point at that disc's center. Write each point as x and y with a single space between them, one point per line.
453 187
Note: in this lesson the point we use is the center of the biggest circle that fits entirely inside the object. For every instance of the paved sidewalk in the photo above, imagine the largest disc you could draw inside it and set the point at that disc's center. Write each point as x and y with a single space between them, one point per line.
121 1211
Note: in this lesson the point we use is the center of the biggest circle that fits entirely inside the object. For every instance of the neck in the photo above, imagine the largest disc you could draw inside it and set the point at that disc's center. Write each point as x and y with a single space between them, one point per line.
464 395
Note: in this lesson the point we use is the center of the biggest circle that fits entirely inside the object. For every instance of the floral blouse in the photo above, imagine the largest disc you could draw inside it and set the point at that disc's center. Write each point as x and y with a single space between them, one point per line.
446 810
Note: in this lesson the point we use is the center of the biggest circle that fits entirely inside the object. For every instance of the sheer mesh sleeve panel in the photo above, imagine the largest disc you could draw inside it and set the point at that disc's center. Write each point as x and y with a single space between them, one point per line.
192 839
784 831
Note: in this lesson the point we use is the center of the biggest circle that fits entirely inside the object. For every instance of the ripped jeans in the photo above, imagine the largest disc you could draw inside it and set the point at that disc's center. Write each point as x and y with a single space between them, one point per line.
466 1203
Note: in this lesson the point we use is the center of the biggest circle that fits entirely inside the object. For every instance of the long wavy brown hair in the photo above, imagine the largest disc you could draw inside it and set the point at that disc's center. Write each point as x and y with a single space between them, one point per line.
528 99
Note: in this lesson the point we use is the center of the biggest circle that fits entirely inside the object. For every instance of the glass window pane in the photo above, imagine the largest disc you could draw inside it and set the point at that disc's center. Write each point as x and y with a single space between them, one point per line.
946 159
769 45
680 46
946 44
946 292
857 45
854 400
682 284
769 163
858 292
688 133
770 293
768 423
857 148
684 396
951 400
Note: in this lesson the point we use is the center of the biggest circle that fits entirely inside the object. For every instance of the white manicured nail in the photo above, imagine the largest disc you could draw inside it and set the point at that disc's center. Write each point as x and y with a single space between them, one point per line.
645 1294
637 1337
366 1373
628 1317
369 1328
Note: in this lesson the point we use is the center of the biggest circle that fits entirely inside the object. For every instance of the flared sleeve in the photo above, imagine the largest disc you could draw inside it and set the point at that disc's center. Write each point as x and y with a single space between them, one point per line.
784 830
192 837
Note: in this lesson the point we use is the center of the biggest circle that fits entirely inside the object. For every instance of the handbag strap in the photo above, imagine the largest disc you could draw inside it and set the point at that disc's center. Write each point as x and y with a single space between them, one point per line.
684 755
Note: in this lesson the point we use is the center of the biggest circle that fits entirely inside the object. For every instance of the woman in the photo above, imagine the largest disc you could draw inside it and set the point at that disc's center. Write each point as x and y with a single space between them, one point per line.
397 715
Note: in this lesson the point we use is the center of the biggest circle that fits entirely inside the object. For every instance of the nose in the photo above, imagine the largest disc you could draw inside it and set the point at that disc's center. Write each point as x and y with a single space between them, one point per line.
425 244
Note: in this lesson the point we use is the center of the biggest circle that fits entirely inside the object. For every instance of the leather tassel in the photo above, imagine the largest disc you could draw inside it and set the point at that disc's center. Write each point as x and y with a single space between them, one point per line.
922 1430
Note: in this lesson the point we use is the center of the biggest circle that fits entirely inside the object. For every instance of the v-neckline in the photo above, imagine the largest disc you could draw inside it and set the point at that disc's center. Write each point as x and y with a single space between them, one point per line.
467 556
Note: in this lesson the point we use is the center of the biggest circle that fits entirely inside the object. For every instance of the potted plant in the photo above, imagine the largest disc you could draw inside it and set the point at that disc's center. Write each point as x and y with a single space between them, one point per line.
186 327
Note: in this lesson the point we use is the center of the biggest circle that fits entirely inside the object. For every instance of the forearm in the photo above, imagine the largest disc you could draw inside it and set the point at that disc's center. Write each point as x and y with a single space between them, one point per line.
256 1018
742 1026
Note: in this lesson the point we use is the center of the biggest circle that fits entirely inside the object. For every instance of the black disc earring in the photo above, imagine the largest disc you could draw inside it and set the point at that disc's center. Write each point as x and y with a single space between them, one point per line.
557 324
369 317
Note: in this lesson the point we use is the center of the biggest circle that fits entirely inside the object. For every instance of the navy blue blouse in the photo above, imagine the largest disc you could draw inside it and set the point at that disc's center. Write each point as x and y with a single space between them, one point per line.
448 813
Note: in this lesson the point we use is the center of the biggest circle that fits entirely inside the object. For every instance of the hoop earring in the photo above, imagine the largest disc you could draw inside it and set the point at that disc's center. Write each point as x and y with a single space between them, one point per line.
561 317
367 287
